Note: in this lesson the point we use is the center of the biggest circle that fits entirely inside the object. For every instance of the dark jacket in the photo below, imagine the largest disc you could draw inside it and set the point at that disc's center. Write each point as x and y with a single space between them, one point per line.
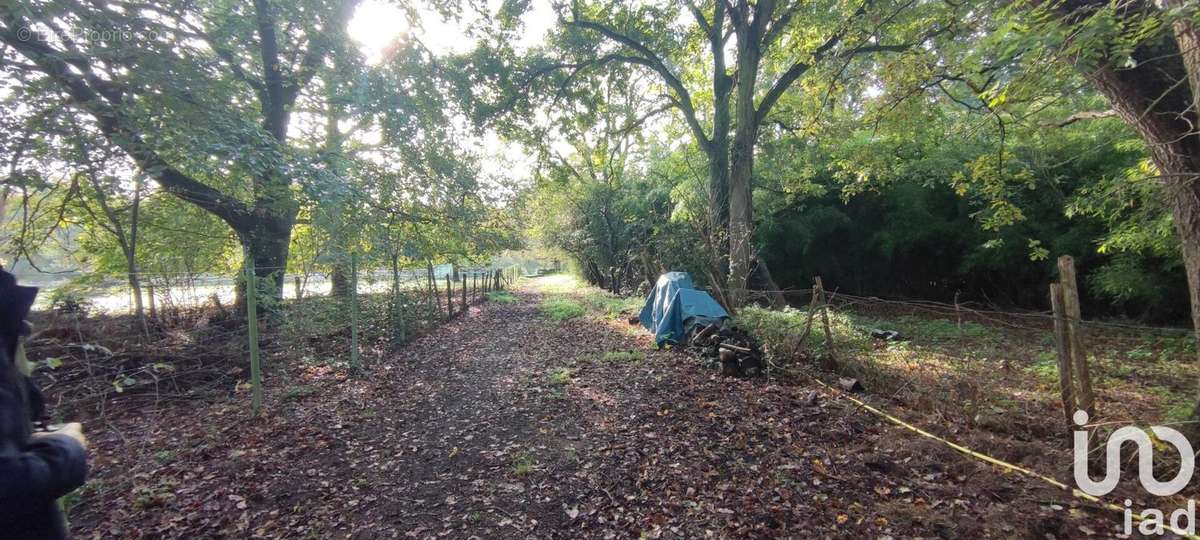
34 472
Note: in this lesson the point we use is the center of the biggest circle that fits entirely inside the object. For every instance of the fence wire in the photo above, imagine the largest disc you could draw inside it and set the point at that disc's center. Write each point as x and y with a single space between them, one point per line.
968 364
90 350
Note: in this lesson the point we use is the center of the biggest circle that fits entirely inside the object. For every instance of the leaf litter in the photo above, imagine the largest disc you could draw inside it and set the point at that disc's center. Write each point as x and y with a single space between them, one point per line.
472 431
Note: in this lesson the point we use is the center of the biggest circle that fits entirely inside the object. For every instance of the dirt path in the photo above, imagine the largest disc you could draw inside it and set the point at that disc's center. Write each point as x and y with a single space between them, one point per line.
502 424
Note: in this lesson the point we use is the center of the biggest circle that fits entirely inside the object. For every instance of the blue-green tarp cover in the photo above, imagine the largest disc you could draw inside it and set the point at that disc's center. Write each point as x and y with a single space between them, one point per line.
675 305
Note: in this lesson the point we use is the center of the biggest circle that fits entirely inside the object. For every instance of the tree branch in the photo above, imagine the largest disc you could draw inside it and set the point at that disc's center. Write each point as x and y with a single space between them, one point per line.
1084 115
682 98
114 127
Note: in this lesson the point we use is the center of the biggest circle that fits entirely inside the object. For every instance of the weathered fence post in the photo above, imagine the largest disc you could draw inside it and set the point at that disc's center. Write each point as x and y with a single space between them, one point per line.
398 323
354 359
433 290
150 293
825 317
464 293
252 330
1066 273
812 312
1063 346
957 311
449 299
299 287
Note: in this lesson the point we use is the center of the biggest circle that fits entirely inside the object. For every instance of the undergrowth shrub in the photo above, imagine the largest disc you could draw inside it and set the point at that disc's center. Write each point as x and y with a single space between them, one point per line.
613 306
559 309
780 331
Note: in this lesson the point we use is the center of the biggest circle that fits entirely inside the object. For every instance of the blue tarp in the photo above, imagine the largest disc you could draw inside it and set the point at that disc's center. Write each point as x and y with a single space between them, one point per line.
675 305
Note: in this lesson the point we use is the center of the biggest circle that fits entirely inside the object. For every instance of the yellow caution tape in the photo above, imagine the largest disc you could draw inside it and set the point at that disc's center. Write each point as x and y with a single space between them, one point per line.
998 462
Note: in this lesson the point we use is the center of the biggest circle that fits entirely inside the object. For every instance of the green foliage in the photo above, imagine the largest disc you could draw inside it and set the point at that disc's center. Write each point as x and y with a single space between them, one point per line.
523 463
561 376
1045 366
623 356
70 299
935 329
613 306
560 309
780 331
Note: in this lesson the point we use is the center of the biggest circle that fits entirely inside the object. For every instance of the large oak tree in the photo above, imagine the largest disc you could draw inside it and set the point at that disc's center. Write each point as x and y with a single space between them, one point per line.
200 95
774 46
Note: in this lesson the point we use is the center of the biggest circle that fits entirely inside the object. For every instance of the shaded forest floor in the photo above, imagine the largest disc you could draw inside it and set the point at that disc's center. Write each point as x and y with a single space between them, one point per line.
506 423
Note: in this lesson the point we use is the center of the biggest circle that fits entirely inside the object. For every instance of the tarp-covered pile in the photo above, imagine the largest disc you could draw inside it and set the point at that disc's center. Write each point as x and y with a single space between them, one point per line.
674 306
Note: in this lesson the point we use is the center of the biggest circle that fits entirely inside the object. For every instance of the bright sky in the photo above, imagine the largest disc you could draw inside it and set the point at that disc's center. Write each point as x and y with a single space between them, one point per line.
377 23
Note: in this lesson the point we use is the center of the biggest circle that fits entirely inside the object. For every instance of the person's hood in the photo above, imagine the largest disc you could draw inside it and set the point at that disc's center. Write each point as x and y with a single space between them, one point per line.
16 301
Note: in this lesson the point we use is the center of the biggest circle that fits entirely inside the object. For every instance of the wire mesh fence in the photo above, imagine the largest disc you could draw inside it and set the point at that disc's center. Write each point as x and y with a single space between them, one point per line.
967 364
192 340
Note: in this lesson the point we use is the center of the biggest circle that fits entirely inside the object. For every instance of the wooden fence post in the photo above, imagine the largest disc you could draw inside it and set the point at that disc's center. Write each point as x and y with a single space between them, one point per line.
825 317
354 359
299 288
812 312
433 290
449 298
252 330
150 294
957 311
1066 273
1063 346
463 309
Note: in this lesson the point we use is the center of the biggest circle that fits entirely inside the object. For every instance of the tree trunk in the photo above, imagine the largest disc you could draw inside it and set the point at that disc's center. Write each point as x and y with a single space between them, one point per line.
135 281
339 280
772 290
135 284
741 218
397 322
1149 98
718 151
268 242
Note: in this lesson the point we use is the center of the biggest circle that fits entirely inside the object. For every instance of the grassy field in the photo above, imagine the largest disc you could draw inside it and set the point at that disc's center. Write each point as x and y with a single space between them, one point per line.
996 375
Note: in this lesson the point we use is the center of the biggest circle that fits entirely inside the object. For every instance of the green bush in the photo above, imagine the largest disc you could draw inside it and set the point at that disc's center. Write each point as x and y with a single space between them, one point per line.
559 310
